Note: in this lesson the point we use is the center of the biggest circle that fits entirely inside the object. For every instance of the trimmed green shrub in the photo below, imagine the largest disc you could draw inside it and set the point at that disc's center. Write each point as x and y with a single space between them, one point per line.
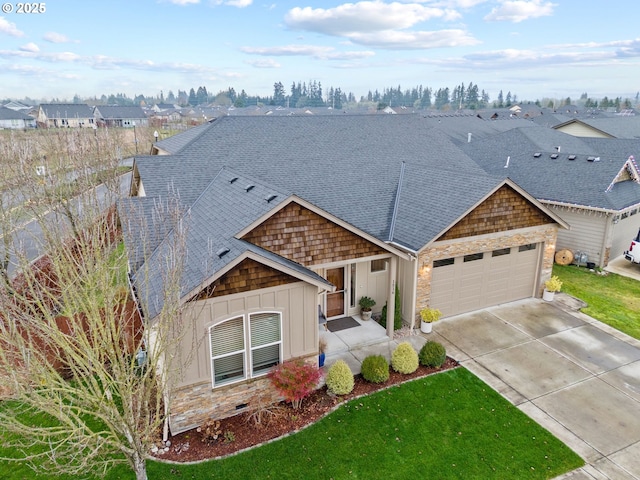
397 313
432 354
375 369
339 378
404 358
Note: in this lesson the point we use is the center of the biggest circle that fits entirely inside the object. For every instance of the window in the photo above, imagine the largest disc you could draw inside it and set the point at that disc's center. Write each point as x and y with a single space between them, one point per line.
443 263
527 247
231 360
266 341
500 252
473 257
227 351
378 265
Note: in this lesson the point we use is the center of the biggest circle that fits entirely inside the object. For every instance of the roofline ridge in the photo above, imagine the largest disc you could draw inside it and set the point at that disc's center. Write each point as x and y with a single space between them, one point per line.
396 205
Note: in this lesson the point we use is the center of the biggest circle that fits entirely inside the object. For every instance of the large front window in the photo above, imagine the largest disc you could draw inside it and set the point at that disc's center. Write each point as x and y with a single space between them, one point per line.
231 360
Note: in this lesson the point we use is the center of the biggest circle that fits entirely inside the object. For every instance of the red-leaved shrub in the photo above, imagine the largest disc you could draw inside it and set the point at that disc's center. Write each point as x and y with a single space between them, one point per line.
295 380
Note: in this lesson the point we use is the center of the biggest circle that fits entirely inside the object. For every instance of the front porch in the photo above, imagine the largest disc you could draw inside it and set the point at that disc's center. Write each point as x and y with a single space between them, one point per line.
353 345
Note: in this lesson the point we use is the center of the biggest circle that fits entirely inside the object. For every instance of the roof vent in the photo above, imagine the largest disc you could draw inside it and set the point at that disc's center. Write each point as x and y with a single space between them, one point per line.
537 155
234 179
271 198
222 252
554 155
249 187
593 159
571 157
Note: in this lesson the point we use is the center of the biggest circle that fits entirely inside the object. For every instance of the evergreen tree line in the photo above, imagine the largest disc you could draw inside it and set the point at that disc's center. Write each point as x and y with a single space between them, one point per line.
311 94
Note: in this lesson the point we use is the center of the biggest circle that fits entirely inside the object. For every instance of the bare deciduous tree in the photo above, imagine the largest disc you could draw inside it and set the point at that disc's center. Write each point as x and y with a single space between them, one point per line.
86 378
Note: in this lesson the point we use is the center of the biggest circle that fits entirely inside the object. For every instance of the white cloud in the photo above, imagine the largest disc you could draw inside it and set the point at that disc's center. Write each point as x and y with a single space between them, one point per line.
183 2
234 3
9 28
384 25
55 37
324 53
407 40
364 17
519 10
263 63
30 47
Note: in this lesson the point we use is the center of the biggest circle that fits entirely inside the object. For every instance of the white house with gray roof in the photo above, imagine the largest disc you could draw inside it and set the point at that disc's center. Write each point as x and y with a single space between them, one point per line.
65 115
15 119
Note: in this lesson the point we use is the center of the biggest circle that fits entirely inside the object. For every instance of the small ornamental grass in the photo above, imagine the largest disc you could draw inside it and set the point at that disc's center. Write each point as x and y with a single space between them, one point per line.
375 369
404 358
340 378
432 354
295 380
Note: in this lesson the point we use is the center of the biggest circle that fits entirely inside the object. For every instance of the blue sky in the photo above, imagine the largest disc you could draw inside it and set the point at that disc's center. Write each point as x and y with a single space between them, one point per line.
533 48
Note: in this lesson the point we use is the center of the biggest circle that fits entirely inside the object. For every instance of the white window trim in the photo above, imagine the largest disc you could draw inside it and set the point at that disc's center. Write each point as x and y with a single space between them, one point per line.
251 349
247 352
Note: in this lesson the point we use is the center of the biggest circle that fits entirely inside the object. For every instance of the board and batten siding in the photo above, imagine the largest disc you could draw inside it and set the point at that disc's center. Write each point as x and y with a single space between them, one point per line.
582 130
194 401
586 234
296 301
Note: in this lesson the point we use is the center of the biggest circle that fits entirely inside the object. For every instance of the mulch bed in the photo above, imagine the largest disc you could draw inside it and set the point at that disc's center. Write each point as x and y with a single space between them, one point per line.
240 432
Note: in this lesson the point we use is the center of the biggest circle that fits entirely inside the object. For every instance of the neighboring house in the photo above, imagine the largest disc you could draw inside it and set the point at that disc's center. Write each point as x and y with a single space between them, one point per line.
292 216
602 127
15 119
65 115
13 105
116 116
593 184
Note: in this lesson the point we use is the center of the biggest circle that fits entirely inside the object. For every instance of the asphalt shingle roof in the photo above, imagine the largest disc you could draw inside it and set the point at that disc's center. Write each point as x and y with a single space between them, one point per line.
67 110
224 208
575 182
9 114
115 112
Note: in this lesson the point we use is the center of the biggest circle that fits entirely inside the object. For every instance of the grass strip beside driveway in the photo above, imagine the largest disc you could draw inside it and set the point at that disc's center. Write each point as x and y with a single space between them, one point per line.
613 299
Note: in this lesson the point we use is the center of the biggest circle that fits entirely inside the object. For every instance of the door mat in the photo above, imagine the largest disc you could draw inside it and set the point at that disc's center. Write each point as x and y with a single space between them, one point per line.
342 324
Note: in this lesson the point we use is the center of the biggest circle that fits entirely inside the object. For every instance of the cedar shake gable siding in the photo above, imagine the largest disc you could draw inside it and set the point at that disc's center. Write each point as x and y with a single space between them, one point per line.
248 275
303 236
504 210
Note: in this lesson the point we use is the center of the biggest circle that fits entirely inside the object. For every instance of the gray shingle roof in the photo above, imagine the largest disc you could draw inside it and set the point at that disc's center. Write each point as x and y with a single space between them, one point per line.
9 114
112 112
346 165
575 182
67 110
223 209
349 166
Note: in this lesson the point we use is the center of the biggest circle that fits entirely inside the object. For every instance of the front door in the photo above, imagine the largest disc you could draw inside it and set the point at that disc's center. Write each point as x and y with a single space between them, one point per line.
335 300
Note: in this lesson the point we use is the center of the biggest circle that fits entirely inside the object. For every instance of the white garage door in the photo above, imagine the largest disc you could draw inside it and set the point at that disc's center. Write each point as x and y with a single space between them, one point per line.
623 232
479 280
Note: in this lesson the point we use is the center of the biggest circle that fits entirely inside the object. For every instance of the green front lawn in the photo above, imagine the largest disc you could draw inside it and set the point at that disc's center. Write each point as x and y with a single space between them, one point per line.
446 426
612 299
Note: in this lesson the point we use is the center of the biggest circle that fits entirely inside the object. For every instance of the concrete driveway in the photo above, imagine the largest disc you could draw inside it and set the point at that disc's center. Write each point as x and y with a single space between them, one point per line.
578 378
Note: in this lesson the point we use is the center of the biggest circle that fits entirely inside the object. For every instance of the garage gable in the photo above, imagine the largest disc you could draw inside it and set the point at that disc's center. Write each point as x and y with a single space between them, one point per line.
299 234
505 209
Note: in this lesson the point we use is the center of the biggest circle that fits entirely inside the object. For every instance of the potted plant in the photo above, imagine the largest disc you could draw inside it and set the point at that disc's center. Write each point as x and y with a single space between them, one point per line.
551 286
366 304
322 346
427 317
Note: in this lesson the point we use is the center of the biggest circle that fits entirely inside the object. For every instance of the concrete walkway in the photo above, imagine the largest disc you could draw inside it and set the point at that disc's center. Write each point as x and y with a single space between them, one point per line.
578 378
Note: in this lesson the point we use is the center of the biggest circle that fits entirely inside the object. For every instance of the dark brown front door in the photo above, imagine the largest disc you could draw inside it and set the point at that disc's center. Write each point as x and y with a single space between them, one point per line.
335 300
